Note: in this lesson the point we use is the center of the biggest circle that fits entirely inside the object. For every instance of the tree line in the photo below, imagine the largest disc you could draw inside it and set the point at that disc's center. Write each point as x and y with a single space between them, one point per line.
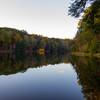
87 38
13 40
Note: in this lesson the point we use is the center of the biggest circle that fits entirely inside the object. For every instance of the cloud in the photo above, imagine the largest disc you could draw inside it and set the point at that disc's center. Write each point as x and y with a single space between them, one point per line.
62 71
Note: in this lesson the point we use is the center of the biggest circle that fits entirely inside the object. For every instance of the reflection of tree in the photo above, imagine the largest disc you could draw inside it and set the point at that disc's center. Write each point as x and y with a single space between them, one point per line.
88 70
11 64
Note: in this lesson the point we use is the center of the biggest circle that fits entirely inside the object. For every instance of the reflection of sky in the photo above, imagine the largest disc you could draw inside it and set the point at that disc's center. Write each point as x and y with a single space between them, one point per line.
46 17
42 83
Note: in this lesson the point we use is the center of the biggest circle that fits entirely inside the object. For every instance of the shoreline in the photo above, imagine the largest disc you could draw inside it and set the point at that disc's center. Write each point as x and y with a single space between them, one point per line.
86 54
73 53
6 51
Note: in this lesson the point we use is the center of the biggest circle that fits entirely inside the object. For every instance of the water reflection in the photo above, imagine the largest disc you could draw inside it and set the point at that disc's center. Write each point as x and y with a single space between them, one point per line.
11 63
49 77
88 71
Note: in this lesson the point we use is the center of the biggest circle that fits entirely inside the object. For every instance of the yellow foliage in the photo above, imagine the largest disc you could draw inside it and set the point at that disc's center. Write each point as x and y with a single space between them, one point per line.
79 23
87 11
26 37
17 37
96 20
46 38
79 83
2 38
98 12
41 51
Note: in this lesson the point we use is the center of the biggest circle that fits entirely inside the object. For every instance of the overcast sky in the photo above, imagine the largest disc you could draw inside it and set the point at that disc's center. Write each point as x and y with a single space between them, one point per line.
46 17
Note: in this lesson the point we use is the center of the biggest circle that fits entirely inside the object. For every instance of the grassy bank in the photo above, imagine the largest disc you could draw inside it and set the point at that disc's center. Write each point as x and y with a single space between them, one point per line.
86 54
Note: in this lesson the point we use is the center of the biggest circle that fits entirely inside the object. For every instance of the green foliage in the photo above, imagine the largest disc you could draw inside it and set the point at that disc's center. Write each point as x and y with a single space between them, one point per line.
74 49
21 41
87 38
94 46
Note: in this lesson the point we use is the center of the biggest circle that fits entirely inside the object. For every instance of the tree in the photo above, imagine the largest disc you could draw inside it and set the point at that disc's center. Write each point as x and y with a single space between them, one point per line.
21 41
78 6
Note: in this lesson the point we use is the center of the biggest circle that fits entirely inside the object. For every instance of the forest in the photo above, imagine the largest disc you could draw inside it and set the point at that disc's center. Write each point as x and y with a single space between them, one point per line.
87 39
13 40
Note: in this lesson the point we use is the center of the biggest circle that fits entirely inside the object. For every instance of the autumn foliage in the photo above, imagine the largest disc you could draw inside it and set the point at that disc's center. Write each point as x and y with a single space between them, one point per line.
14 40
88 35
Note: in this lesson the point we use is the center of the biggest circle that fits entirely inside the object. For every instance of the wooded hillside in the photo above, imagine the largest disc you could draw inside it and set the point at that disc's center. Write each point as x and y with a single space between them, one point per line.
13 40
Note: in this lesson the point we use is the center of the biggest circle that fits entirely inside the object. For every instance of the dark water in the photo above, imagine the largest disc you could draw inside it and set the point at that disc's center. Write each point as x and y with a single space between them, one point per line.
49 77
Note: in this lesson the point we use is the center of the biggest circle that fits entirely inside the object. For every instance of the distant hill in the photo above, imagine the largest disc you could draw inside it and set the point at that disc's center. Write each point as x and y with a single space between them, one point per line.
13 40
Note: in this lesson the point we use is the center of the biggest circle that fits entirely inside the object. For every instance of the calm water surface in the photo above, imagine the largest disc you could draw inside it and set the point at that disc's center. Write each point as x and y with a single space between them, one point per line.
47 78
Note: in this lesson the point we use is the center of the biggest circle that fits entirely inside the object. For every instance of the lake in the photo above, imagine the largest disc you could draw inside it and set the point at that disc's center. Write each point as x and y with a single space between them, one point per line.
49 77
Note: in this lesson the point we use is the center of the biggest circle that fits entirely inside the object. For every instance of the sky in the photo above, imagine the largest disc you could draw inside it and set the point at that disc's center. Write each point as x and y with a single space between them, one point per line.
44 17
